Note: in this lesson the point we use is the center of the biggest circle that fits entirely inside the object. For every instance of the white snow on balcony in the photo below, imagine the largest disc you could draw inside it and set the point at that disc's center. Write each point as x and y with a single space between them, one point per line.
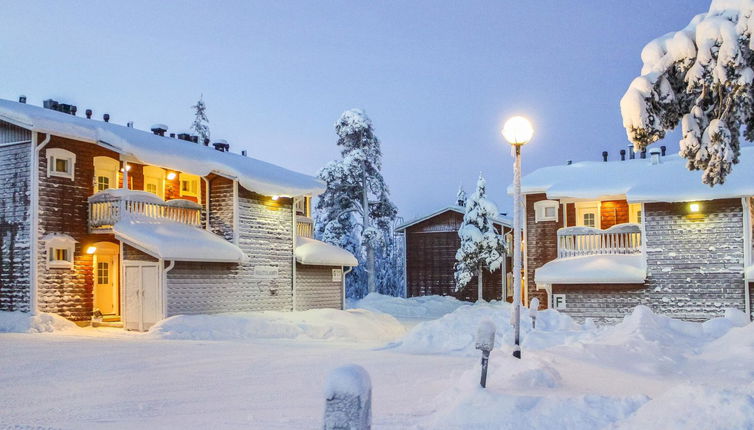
171 240
170 153
594 269
313 252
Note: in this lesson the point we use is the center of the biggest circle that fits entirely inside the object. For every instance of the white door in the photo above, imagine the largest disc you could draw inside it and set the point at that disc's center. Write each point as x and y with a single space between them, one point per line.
143 301
588 215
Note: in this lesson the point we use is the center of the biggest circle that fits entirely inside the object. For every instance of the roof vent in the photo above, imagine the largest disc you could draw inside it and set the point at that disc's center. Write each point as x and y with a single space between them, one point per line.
195 139
106 117
654 155
88 114
631 153
221 145
663 148
604 155
22 99
206 141
159 129
569 162
60 107
172 135
244 153
74 109
130 124
622 155
50 104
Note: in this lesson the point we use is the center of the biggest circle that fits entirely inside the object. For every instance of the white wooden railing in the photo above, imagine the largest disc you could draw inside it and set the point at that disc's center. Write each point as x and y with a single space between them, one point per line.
580 241
108 207
304 226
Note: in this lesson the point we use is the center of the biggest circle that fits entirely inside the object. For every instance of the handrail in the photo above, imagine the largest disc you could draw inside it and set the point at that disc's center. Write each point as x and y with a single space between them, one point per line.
616 240
304 227
106 210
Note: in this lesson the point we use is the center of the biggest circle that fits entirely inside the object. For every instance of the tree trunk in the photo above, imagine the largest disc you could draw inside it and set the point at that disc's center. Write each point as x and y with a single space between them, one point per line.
479 285
371 284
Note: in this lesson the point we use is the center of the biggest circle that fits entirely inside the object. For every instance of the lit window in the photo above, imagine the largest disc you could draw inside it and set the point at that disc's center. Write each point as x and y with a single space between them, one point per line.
105 173
634 213
60 249
189 185
150 187
103 183
103 273
154 180
546 210
589 219
60 163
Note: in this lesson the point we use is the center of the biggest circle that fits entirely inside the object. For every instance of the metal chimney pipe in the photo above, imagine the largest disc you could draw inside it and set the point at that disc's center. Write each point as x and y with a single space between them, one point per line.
106 117
622 155
22 99
663 148
644 153
604 156
631 153
88 114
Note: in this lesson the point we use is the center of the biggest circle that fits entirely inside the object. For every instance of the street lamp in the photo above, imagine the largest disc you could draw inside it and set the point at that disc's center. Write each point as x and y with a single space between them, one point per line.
517 131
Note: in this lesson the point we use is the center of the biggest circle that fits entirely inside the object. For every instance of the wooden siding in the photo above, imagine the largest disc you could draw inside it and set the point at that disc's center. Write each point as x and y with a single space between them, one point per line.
10 133
431 247
613 212
15 227
541 244
133 254
315 288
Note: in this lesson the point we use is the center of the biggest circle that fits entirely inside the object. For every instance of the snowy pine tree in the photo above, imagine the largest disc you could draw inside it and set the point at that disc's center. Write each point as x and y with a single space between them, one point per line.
461 197
702 78
482 247
355 211
200 126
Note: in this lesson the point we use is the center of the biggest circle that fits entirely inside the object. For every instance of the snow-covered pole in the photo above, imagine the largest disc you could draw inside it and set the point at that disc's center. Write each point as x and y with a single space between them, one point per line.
485 341
348 399
533 308
517 131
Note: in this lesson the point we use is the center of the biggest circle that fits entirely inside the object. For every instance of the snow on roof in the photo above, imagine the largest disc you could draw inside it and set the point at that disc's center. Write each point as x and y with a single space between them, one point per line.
461 210
314 252
593 269
639 180
255 175
170 240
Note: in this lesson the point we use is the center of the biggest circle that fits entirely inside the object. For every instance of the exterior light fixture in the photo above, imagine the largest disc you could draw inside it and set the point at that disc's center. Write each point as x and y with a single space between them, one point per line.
171 176
275 197
91 250
518 131
694 207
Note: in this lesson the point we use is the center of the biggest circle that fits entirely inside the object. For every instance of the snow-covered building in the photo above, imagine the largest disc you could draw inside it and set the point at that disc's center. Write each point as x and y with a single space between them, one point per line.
98 220
431 242
604 237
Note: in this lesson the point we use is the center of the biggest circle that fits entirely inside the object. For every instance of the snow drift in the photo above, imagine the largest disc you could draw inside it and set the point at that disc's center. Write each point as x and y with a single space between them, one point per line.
24 322
425 307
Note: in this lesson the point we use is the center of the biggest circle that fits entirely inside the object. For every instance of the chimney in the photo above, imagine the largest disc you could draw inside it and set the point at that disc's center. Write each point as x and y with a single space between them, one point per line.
221 145
622 155
159 129
569 162
130 124
644 153
184 136
604 156
106 117
631 153
88 114
50 104
243 152
663 148
22 99
206 141
195 139
654 156
172 135
74 109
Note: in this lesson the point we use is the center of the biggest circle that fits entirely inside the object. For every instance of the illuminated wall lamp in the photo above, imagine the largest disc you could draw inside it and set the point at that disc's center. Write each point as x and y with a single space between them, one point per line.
275 197
694 207
171 176
91 250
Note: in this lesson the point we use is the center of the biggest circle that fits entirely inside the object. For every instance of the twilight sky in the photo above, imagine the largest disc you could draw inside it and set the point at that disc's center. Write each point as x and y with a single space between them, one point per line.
438 79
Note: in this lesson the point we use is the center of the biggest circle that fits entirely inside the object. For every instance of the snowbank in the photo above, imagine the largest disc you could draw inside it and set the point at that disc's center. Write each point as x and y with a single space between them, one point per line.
311 251
316 324
426 307
593 269
23 322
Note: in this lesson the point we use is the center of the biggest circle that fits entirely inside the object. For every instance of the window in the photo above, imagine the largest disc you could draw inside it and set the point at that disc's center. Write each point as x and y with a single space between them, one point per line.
154 180
105 173
588 214
588 220
60 249
546 210
103 273
634 213
302 206
189 185
60 163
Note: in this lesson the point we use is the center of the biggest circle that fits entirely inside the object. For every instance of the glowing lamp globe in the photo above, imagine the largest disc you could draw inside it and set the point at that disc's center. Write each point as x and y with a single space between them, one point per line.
518 130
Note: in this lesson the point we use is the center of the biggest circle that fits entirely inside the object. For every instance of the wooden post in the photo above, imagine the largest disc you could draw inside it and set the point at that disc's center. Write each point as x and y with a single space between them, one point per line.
348 399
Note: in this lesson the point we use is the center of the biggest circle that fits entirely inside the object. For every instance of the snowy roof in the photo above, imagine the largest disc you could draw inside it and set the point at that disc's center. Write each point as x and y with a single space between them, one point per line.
639 180
313 252
170 240
459 209
593 269
252 174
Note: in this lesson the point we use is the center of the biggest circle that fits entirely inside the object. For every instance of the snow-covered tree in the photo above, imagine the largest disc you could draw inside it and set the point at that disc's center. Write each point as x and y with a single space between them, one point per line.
355 211
482 247
700 77
461 197
200 126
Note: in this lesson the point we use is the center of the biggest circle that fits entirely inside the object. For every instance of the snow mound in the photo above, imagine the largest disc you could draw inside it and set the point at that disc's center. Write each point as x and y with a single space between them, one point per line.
696 406
455 332
24 322
414 307
316 324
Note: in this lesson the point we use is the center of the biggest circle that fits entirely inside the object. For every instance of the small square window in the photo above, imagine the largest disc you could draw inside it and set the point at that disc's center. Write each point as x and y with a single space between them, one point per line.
150 187
103 183
550 212
546 210
60 162
61 166
589 219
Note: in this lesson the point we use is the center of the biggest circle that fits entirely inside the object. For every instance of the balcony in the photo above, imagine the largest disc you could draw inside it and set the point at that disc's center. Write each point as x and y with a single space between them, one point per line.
304 226
621 239
108 207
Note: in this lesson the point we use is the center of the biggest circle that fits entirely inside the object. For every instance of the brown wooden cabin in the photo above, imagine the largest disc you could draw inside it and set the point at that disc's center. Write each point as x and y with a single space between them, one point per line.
431 245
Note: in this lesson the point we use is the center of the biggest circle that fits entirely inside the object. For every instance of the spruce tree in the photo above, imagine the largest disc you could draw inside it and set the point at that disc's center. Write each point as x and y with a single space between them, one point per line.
200 126
461 197
482 247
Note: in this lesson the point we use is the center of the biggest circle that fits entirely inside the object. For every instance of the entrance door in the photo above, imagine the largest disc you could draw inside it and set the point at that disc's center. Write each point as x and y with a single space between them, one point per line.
142 306
106 284
588 214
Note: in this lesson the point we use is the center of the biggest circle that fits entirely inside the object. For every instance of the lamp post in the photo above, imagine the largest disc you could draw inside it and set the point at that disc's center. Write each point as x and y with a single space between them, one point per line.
517 131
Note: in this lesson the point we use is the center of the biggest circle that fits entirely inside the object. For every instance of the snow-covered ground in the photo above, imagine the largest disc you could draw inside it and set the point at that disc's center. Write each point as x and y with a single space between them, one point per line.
268 371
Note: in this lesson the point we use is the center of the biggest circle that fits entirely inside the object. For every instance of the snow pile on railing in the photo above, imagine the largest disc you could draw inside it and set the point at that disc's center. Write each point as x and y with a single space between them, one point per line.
316 324
24 322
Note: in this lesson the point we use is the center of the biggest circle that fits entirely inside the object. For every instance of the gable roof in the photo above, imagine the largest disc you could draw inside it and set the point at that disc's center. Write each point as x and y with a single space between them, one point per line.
639 180
255 175
459 209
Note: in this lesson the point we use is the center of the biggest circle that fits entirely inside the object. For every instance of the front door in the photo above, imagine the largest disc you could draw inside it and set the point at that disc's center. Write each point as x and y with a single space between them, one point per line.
106 284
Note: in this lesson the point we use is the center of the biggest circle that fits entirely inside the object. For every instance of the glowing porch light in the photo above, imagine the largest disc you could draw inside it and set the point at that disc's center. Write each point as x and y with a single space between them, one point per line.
171 176
275 197
91 250
694 207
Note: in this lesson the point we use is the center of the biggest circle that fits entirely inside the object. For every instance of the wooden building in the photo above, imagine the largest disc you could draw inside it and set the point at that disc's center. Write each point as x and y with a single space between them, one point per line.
431 243
102 222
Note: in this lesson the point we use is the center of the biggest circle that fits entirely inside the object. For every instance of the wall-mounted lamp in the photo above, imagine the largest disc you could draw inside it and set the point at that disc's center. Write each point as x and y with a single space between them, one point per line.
128 168
91 250
275 197
171 176
694 207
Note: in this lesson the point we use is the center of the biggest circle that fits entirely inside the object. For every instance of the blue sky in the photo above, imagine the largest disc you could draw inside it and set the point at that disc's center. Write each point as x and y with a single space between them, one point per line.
437 78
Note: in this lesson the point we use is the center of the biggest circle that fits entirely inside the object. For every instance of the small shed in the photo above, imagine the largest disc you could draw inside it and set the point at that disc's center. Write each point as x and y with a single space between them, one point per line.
431 243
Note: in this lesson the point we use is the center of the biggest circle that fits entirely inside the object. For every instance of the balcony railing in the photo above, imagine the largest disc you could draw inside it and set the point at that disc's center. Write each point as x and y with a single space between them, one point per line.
617 240
304 226
110 206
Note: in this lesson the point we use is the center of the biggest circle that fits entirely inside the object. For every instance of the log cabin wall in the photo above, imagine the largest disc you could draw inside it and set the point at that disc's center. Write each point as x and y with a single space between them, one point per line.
613 212
431 247
15 226
315 288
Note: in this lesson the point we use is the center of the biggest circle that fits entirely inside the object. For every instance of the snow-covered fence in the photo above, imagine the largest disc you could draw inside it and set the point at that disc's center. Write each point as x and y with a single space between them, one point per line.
618 239
107 207
304 227
348 399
